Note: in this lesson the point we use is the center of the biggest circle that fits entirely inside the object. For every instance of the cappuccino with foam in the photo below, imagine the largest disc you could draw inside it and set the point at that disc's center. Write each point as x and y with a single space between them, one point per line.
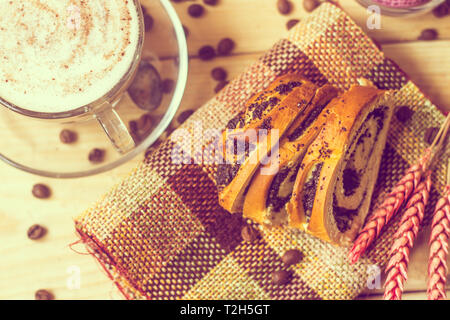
59 55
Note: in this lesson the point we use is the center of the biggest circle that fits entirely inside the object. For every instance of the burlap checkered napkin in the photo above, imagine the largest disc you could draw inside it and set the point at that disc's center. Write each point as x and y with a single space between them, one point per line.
160 233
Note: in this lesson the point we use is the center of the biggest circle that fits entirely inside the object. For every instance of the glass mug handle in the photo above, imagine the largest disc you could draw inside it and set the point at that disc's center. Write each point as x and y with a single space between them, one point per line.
114 128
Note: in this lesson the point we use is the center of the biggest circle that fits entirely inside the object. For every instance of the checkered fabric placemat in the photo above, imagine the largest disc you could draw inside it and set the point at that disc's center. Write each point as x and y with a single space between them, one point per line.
161 234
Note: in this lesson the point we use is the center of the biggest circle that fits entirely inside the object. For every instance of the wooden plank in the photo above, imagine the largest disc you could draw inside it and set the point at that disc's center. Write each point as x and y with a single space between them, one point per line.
27 266
254 32
427 63
422 61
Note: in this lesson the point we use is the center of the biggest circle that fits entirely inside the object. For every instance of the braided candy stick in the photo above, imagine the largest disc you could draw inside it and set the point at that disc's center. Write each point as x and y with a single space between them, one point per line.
397 266
440 233
397 197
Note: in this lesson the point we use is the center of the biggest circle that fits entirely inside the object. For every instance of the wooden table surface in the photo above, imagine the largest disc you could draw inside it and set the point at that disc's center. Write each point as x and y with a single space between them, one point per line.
255 25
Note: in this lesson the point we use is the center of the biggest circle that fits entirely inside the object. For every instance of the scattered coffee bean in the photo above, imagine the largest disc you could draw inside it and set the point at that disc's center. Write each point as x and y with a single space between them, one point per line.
184 116
96 155
284 6
403 114
377 44
220 86
133 126
219 74
430 134
210 2
428 34
225 46
310 5
186 31
167 85
36 232
292 23
134 132
196 10
43 295
148 22
146 88
41 191
67 136
280 277
144 125
206 53
291 257
441 10
249 234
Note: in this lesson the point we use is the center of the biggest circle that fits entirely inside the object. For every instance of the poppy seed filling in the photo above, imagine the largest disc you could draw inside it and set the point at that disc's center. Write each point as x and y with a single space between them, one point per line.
350 182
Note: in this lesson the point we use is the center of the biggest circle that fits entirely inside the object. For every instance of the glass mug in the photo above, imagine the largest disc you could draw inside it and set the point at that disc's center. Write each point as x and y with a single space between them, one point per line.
102 109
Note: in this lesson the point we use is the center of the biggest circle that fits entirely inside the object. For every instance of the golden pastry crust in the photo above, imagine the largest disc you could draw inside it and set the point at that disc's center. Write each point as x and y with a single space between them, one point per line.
329 147
325 158
276 107
292 147
280 116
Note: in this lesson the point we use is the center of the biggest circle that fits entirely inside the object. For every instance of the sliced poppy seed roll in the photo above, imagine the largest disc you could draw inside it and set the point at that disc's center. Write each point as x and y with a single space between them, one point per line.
244 147
270 191
335 182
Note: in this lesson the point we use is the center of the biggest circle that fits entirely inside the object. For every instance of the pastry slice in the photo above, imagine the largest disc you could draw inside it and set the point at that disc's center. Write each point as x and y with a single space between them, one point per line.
269 192
333 188
244 147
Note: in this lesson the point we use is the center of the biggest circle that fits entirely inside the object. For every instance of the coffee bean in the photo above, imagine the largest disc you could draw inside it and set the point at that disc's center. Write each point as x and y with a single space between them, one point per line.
430 134
36 232
133 126
43 295
220 86
310 5
441 10
280 277
67 136
146 88
167 85
291 257
403 114
225 46
428 34
96 155
210 2
292 23
196 10
186 31
219 74
284 6
184 116
144 124
41 191
206 53
377 44
148 22
249 234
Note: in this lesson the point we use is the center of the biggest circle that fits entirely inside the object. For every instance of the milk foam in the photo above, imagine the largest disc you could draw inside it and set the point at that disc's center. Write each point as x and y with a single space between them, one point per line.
59 55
